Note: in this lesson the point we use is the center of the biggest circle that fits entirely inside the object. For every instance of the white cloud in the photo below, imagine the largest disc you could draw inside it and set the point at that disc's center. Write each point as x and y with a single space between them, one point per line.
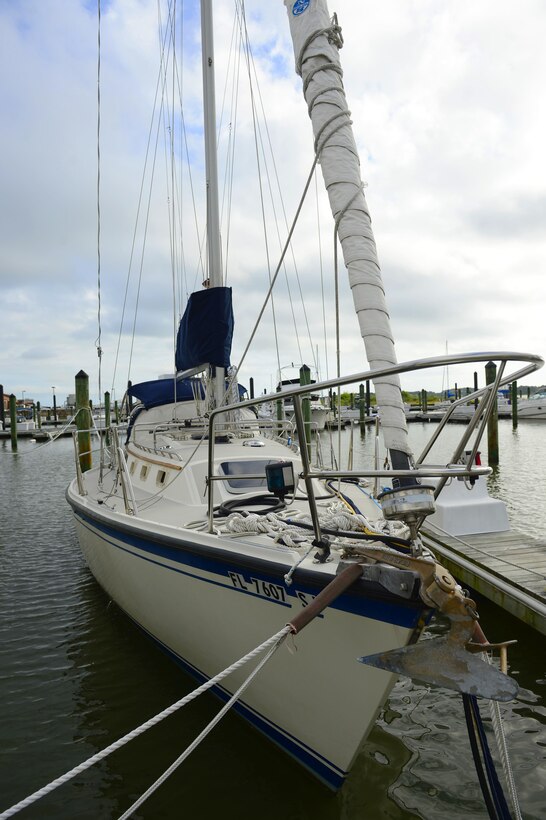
450 118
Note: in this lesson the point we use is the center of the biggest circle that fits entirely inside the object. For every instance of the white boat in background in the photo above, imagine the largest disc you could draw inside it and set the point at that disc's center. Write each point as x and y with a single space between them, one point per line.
319 410
212 530
466 411
534 407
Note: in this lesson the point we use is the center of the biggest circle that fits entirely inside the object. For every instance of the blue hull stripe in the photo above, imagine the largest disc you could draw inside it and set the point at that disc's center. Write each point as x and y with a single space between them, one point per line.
330 774
189 561
366 602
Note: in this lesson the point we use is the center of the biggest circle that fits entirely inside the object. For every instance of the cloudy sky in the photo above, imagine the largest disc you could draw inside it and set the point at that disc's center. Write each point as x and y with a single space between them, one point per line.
449 112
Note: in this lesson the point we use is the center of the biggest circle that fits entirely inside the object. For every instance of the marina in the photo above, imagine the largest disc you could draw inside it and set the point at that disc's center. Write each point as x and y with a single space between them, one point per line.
76 674
345 619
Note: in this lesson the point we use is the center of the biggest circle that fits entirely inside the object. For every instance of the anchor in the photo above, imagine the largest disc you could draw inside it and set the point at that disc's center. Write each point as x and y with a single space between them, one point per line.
450 661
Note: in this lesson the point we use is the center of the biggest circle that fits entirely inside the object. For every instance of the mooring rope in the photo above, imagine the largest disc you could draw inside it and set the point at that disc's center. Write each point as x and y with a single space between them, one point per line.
51 438
210 726
271 643
500 737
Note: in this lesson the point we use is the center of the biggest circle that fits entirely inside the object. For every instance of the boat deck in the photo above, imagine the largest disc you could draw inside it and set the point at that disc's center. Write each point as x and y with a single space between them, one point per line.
508 567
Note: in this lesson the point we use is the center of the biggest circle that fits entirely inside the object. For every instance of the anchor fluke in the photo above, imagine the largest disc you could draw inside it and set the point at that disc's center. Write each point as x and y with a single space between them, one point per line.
442 662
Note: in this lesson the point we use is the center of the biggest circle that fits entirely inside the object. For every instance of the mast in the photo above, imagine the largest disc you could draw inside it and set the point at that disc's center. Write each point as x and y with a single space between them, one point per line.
316 41
214 251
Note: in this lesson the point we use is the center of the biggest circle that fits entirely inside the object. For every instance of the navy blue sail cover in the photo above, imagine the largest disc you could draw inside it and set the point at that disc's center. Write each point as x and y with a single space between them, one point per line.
165 391
206 330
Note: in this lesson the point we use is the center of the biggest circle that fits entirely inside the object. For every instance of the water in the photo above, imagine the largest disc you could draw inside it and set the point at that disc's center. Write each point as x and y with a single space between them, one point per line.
75 674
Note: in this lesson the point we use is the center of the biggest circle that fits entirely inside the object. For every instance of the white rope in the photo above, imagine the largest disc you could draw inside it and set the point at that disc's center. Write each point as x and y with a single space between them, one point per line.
280 637
500 737
96 758
334 516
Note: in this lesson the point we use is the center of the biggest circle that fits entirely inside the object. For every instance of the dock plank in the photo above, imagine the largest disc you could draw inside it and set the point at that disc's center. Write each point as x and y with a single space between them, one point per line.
507 567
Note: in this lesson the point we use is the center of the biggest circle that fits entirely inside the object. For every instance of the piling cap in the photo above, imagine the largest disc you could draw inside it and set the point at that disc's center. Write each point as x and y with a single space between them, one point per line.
82 375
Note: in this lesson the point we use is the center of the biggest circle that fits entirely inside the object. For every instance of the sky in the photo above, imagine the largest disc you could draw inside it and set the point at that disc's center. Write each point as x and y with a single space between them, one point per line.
449 113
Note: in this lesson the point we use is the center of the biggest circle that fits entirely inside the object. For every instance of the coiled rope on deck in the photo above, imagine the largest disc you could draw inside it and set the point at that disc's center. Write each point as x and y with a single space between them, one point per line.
271 644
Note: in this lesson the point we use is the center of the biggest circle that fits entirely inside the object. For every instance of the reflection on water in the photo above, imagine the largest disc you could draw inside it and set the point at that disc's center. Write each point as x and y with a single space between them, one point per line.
75 674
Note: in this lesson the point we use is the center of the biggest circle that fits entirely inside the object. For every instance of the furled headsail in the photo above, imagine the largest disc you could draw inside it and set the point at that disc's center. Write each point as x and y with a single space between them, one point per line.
316 45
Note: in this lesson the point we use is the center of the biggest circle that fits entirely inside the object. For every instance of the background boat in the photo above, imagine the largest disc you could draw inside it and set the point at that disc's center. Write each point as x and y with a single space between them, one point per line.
534 407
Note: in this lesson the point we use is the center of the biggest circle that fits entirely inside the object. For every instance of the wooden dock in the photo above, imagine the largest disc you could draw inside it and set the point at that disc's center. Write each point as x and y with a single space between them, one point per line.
39 434
508 567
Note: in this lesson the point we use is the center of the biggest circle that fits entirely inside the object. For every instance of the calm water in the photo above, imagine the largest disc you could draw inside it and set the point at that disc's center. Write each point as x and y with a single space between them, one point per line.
75 674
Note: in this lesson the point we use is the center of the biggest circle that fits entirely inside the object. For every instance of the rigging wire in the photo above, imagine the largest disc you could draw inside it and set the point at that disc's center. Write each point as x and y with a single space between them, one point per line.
279 265
321 278
137 217
98 341
246 47
230 152
281 200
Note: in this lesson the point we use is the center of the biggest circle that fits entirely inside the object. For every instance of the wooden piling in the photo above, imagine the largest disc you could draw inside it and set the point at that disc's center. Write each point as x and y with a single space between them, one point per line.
280 406
305 378
116 411
39 415
107 409
2 410
251 387
83 420
13 421
368 398
514 400
493 423
362 409
475 388
107 414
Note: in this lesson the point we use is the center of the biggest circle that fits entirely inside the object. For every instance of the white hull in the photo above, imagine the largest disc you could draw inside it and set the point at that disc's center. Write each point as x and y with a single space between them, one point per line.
532 409
22 426
209 603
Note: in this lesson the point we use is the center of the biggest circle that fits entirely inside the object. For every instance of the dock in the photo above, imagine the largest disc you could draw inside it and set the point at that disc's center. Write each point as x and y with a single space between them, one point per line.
39 434
508 568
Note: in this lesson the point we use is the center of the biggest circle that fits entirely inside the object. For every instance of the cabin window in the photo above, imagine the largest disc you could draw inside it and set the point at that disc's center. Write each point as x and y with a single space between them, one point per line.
161 476
238 472
132 466
144 471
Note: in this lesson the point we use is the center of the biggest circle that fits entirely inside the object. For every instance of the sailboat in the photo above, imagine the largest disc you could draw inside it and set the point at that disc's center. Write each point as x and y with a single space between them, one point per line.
211 528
